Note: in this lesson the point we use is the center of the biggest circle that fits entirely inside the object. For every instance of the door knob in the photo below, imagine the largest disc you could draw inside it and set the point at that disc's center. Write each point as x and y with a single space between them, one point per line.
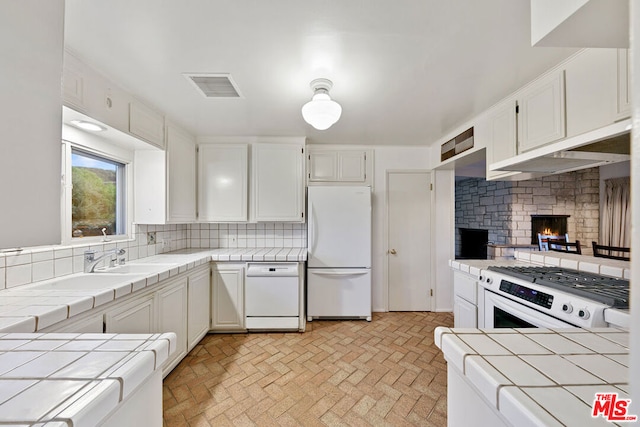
392 252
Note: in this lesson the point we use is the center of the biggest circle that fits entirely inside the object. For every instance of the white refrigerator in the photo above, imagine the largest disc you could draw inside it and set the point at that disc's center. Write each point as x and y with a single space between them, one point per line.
339 258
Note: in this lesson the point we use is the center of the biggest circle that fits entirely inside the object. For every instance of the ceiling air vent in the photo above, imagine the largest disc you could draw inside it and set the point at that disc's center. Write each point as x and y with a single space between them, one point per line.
218 85
457 145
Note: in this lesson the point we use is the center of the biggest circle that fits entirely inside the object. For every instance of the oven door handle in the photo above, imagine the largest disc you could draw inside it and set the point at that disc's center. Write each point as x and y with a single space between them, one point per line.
523 312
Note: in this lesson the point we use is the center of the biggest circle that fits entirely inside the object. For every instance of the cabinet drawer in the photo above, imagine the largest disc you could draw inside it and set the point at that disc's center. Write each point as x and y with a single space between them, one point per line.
465 286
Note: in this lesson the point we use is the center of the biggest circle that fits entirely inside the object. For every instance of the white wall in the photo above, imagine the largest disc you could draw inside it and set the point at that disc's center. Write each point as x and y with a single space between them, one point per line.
387 158
31 39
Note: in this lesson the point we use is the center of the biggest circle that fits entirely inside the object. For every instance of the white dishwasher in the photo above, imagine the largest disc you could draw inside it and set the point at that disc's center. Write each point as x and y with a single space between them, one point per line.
272 296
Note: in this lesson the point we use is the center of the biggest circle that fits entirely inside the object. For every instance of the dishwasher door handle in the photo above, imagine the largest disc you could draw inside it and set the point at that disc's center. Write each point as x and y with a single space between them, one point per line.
354 272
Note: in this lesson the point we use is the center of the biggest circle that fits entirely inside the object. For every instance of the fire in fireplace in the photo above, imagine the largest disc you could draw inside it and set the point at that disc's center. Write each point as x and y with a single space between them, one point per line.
548 224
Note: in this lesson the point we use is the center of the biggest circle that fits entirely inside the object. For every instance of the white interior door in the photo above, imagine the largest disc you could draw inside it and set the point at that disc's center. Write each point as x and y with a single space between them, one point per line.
409 248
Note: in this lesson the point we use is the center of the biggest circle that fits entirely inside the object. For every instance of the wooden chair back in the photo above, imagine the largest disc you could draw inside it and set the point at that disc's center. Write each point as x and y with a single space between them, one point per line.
611 252
544 238
559 245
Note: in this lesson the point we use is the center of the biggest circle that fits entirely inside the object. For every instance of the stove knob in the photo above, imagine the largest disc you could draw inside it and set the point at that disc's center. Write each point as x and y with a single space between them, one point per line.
489 280
481 278
567 308
583 313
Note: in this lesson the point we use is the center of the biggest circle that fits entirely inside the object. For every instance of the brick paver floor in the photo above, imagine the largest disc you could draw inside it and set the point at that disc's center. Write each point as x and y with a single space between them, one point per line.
387 372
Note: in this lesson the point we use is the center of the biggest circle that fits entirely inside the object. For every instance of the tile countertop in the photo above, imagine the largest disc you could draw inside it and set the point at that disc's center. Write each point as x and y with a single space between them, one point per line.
547 377
607 267
74 379
33 307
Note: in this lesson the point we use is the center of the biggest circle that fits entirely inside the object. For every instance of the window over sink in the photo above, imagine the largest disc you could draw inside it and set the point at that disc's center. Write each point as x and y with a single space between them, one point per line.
95 196
97 205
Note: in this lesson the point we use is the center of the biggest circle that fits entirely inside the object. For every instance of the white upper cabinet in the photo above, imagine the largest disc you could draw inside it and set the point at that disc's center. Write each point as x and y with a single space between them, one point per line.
222 182
541 116
278 182
338 165
591 90
323 166
181 176
624 85
500 128
90 93
165 181
146 123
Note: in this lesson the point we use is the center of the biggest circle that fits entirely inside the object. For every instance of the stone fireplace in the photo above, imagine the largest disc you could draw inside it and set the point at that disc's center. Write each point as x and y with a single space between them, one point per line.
505 209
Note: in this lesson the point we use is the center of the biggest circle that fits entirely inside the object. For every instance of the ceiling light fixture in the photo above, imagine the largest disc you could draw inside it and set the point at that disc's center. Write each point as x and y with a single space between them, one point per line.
321 112
90 126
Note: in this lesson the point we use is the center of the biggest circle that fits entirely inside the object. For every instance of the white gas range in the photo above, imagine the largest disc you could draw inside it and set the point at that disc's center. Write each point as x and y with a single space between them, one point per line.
548 297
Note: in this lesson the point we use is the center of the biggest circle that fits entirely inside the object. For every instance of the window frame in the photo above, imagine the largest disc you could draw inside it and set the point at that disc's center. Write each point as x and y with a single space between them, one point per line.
124 194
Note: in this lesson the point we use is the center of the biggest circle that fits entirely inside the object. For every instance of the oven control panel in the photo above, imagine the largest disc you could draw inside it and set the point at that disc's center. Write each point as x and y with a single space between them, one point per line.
527 294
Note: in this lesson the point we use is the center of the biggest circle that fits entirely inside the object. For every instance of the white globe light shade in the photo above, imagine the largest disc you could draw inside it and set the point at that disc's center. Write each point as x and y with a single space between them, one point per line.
321 112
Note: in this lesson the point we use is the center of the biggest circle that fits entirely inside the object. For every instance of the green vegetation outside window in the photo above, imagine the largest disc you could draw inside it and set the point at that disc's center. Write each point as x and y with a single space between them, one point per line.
97 195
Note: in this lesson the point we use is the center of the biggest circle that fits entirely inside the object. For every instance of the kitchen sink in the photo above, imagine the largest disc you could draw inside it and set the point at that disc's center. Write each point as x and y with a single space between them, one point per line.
86 282
142 268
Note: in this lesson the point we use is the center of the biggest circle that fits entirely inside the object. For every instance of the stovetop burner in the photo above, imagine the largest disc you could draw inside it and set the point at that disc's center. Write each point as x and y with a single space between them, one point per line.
607 290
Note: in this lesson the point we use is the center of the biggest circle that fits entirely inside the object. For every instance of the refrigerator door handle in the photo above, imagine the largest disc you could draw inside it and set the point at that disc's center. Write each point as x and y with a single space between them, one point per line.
348 272
312 229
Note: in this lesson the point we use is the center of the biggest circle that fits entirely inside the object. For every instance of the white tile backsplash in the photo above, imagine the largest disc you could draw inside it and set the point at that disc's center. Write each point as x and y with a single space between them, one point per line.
277 235
18 275
43 263
42 270
18 258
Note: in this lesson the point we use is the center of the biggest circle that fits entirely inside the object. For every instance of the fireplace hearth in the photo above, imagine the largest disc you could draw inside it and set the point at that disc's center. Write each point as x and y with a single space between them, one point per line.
548 224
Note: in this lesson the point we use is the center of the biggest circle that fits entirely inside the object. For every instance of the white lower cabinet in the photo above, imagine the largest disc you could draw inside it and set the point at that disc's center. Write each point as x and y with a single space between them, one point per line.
172 317
179 305
198 307
137 316
465 302
465 314
227 297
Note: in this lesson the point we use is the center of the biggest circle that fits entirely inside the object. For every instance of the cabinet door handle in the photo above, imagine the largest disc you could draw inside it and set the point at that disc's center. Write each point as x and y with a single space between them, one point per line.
392 252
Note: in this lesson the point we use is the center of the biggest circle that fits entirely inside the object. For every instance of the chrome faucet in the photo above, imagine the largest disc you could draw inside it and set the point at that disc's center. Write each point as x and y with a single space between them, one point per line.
90 260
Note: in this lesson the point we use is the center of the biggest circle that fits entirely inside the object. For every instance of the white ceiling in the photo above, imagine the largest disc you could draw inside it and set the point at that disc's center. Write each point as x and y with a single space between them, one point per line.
405 71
